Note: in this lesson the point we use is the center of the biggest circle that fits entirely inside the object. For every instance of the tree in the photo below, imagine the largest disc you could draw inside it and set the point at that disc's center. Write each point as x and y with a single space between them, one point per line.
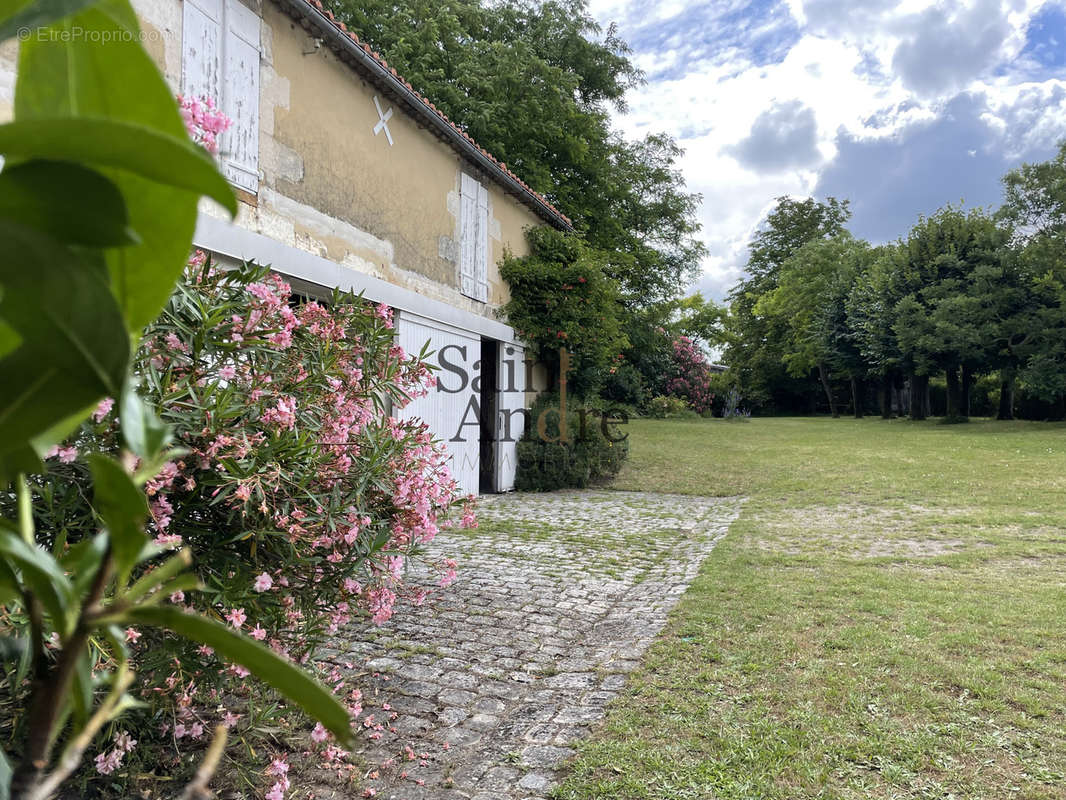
1034 201
652 329
949 267
869 310
809 304
1035 206
640 214
755 345
701 319
534 83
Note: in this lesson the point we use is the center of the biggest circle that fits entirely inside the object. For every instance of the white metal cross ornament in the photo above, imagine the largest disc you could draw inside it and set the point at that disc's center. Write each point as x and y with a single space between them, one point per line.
383 120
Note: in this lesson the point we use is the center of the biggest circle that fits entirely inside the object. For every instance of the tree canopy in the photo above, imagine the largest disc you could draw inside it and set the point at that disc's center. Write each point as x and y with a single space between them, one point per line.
962 295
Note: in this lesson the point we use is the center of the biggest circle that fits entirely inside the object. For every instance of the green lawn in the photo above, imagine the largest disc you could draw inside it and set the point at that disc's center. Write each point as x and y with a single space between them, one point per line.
887 619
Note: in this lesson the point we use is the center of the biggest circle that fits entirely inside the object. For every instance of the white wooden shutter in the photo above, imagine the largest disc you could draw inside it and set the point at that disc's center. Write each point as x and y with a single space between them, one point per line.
468 230
481 259
201 46
240 72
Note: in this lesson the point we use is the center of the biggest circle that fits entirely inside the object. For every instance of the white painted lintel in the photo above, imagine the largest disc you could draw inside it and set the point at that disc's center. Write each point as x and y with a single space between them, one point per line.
227 239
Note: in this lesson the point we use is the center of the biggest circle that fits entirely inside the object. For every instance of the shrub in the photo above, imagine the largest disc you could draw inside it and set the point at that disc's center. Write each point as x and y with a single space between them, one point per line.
662 407
546 464
624 386
691 375
301 496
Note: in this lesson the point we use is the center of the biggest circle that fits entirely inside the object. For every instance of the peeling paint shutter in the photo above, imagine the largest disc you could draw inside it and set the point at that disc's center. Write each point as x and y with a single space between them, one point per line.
240 144
201 57
468 230
481 259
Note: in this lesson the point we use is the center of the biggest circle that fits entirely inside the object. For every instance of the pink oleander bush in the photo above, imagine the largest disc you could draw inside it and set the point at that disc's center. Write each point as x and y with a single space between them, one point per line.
302 494
690 377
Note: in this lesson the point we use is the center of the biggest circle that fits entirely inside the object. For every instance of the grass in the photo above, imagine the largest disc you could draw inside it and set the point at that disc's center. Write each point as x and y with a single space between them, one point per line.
887 619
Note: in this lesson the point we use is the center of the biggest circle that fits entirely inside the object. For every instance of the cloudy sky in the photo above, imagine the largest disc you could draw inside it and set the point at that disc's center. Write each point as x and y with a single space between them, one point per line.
899 106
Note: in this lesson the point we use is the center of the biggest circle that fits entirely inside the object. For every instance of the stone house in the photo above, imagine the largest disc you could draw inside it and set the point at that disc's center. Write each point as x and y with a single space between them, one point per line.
349 178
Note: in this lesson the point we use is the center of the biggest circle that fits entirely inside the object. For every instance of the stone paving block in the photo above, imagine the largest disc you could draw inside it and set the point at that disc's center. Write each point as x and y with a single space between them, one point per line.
572 714
545 756
535 783
498 676
456 697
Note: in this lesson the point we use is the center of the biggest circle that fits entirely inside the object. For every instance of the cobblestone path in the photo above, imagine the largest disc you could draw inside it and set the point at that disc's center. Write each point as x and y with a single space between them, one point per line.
557 598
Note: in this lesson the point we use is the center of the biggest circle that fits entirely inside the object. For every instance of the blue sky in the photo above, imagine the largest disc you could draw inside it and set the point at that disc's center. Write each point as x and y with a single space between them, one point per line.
900 107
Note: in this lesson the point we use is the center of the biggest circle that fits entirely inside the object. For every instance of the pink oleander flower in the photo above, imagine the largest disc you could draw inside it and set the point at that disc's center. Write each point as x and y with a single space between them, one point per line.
469 517
66 455
450 574
292 430
283 414
236 617
103 408
278 766
263 583
109 761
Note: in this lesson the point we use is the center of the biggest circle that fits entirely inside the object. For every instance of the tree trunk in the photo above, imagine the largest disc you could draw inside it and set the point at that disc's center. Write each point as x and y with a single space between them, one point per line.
919 383
967 384
1006 395
927 398
828 391
885 396
952 376
857 396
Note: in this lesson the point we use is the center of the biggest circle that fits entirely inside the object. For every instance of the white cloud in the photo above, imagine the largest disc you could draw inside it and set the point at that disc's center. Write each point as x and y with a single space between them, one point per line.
773 97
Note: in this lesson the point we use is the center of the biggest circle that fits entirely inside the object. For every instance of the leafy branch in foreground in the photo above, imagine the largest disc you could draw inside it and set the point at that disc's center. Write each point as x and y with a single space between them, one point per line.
98 201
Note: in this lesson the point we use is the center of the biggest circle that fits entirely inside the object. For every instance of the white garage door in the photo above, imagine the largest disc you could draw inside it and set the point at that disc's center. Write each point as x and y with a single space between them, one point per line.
447 408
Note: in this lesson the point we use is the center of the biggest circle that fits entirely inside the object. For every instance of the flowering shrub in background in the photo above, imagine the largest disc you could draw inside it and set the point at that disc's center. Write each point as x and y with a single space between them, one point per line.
691 378
662 407
204 122
300 492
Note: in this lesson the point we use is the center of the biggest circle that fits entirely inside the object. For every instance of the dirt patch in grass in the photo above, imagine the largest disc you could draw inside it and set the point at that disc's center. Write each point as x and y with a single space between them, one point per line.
855 531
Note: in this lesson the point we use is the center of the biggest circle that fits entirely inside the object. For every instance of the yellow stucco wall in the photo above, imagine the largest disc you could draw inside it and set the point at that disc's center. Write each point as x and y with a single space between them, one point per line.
329 185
